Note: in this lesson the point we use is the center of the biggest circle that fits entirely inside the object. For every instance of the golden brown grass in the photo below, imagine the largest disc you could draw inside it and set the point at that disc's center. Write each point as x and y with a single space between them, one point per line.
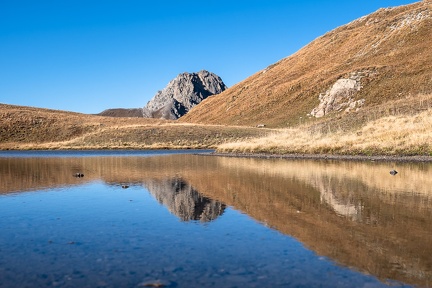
35 128
403 134
393 44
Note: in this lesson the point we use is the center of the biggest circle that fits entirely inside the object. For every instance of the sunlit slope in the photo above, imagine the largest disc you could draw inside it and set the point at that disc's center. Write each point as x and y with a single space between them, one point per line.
388 52
36 128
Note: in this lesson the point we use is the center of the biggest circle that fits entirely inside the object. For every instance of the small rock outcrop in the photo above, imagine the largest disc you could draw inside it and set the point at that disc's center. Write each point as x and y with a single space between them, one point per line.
182 94
341 96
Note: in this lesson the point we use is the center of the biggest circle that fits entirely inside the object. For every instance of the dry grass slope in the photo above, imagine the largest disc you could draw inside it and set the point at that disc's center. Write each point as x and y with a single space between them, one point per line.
391 45
388 135
389 48
35 128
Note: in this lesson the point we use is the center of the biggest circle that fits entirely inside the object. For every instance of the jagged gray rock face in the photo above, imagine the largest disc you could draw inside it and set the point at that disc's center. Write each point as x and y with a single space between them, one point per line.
182 94
177 98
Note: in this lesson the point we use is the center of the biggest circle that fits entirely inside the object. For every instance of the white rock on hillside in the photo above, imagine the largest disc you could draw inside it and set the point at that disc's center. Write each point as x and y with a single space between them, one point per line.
339 97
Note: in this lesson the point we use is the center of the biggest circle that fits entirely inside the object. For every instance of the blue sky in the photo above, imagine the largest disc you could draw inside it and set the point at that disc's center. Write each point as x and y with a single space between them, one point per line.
87 56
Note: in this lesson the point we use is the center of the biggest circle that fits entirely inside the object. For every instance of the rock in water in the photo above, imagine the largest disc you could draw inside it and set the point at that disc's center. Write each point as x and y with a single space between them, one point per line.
393 172
182 94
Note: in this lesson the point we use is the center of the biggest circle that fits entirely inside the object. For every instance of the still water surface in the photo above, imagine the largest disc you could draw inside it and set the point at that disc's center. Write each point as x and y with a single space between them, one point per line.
173 219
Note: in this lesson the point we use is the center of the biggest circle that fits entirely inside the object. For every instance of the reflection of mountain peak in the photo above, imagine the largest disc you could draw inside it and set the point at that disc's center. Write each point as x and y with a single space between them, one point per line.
183 200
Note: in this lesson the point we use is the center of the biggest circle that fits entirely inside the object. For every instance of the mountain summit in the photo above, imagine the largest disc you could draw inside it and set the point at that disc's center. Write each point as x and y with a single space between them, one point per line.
182 93
177 98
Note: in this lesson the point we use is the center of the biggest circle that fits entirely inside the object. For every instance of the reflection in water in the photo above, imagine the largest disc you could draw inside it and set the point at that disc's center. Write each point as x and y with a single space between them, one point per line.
183 200
355 213
387 223
178 196
339 204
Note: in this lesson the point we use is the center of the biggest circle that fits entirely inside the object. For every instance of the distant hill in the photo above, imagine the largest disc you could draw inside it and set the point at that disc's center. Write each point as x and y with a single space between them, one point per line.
177 98
24 127
368 63
123 112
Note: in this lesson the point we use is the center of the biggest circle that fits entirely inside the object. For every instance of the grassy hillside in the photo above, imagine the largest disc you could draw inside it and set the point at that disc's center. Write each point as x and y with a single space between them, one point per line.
398 133
35 128
384 57
389 49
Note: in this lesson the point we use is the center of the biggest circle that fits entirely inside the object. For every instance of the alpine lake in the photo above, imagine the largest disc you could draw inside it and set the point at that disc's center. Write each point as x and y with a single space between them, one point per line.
189 219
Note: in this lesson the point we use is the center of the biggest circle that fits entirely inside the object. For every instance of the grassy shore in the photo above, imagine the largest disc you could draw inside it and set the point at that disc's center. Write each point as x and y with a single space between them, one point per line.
28 128
399 134
403 128
142 136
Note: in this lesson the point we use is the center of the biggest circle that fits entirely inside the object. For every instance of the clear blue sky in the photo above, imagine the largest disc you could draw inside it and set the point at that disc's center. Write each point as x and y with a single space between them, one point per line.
90 55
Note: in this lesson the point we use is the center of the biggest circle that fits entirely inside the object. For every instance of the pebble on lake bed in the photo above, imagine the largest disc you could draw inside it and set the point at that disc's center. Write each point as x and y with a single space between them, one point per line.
154 284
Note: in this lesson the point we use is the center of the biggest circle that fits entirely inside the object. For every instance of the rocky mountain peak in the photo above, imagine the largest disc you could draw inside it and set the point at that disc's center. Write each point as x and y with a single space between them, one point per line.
182 94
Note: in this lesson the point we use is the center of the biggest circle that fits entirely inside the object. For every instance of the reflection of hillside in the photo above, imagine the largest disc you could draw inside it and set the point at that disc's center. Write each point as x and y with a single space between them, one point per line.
386 231
391 234
21 174
24 174
183 200
28 174
413 177
340 206
348 187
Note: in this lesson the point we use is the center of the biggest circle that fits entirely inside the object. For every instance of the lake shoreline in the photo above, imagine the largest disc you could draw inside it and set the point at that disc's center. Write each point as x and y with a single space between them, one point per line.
292 156
380 158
